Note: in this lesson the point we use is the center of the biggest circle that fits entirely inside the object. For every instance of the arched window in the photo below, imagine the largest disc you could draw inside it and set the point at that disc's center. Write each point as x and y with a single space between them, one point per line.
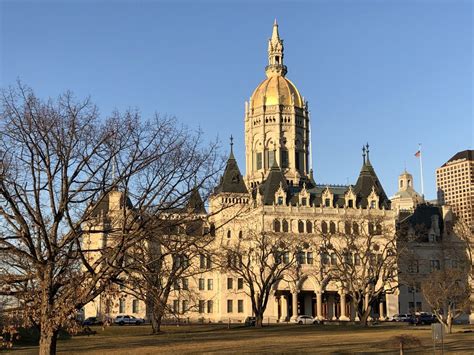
285 226
401 183
332 227
276 225
347 227
300 227
378 229
324 227
371 228
229 234
355 228
309 227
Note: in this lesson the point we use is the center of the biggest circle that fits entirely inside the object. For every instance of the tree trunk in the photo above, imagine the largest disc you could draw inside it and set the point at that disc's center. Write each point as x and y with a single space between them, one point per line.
156 318
258 320
449 323
48 341
364 316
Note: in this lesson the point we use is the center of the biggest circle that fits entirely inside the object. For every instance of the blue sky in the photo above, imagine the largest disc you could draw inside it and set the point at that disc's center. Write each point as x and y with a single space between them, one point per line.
393 73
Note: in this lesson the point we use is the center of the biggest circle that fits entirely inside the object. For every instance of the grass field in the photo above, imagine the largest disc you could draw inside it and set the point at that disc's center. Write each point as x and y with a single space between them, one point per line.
271 339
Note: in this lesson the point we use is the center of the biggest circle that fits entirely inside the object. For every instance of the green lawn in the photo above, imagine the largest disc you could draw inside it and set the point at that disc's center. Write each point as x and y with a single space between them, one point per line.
272 339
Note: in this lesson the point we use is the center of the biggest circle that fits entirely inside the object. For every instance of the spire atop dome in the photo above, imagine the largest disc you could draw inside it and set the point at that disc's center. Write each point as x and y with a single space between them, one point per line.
275 65
231 156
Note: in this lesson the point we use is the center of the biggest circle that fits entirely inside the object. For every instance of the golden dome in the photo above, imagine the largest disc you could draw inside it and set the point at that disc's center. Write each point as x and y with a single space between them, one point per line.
276 90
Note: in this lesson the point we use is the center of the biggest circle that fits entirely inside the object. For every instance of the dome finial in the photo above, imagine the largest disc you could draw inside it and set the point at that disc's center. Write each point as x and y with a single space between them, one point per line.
363 154
367 149
275 65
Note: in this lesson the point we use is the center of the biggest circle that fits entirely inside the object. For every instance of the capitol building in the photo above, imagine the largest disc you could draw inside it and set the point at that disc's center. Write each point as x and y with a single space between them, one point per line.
277 194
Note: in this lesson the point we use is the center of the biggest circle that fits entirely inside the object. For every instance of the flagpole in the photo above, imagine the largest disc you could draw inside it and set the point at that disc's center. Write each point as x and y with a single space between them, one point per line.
421 171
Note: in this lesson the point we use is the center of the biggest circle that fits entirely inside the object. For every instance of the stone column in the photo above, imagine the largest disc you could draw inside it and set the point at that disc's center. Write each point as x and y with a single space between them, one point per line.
366 304
319 305
294 305
343 315
283 308
381 313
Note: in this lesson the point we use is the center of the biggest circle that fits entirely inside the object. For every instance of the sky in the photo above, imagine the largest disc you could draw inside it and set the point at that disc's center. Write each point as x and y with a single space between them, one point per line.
390 73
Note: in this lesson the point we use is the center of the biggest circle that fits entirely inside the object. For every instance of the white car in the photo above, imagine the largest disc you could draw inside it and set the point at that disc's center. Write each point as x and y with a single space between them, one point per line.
401 318
126 319
305 320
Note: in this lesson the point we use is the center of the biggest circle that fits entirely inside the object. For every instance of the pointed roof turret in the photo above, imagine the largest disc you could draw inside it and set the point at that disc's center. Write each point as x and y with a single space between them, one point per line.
368 182
275 65
195 203
232 180
274 181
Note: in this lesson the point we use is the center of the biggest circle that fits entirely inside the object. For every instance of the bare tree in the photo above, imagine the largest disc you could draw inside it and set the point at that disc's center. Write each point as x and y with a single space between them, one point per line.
362 255
261 259
59 166
163 263
449 289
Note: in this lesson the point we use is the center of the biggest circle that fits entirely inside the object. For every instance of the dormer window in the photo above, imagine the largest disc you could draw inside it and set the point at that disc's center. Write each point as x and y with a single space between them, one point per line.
303 201
327 202
372 204
350 203
280 200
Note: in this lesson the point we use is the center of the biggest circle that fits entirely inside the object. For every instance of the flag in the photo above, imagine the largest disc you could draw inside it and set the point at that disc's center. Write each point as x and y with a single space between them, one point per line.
418 154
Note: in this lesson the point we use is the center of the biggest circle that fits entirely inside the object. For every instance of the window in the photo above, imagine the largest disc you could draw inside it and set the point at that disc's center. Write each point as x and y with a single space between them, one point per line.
355 228
210 305
324 258
276 225
135 308
333 259
350 203
240 283
327 202
176 306
434 265
176 285
332 227
209 284
371 228
208 262
347 227
230 283
122 305
240 306
185 284
270 157
372 204
356 259
229 234
309 257
309 227
300 257
280 200
304 201
213 230
284 158
324 227
413 267
201 284
229 306
286 257
300 227
259 162
201 306
240 234
297 160
202 261
285 226
185 306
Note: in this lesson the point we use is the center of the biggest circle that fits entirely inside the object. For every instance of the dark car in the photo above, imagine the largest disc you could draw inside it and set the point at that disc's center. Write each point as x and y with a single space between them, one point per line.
423 319
92 321
250 321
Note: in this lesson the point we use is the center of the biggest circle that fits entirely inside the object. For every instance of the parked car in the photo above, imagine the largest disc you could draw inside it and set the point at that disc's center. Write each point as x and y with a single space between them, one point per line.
303 319
423 318
92 321
401 318
126 319
250 321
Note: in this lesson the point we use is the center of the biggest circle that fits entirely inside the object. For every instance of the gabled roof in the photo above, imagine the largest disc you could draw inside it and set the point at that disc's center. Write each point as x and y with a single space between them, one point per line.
272 183
195 203
232 180
465 154
367 180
